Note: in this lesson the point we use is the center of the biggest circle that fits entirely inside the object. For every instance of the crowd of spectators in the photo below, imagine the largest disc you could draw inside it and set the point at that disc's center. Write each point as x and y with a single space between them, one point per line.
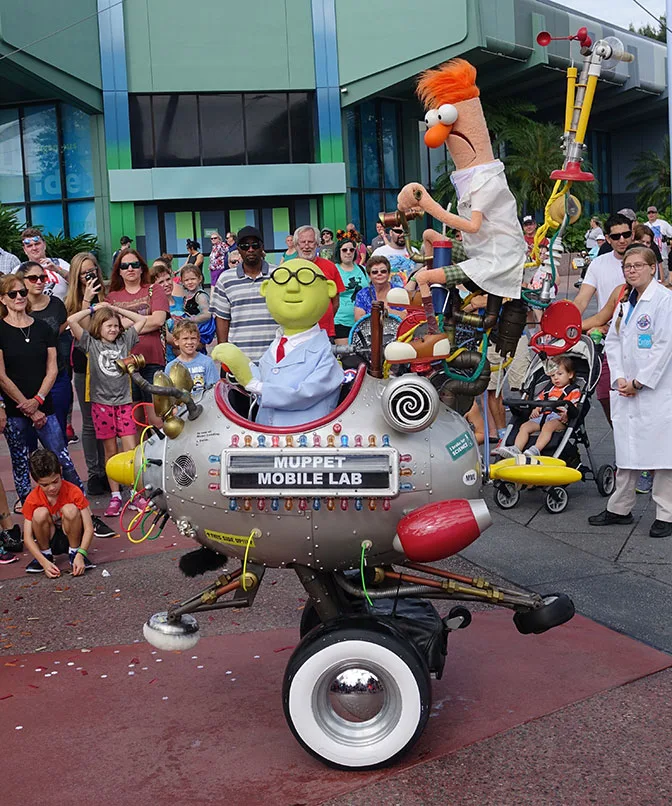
62 327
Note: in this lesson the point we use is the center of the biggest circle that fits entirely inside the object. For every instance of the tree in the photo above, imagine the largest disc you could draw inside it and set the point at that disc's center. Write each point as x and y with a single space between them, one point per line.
653 32
650 177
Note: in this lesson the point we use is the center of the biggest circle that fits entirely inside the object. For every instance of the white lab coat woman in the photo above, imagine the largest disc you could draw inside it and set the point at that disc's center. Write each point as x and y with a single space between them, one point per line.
639 349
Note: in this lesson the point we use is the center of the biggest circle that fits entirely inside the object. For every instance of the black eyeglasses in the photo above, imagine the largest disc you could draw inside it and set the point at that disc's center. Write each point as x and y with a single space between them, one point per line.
304 275
126 266
618 235
17 292
251 245
36 278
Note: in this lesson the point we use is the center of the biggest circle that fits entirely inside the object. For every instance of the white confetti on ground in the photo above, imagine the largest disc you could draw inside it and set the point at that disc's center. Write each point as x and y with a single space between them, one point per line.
164 698
19 727
256 657
71 663
158 660
199 667
229 672
131 673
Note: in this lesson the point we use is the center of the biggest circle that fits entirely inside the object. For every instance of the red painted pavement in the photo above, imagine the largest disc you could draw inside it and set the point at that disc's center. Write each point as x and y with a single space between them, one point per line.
131 724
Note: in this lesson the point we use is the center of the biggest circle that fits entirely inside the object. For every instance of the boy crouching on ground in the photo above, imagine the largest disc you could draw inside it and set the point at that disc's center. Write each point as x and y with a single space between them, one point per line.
55 512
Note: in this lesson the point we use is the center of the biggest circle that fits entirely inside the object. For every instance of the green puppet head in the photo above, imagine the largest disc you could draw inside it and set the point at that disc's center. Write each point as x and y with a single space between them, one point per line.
298 295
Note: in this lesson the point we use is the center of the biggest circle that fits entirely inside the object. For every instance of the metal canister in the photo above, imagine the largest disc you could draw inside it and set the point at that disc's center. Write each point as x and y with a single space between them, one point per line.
443 251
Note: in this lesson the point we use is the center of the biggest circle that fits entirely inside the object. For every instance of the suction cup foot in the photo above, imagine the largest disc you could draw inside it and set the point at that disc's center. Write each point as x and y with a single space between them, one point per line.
169 635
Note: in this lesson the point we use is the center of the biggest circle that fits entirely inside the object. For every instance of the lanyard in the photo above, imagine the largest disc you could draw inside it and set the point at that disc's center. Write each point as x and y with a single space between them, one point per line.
632 299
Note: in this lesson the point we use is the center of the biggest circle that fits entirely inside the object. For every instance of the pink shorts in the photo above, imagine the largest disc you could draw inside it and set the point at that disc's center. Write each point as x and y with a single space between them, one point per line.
604 384
113 421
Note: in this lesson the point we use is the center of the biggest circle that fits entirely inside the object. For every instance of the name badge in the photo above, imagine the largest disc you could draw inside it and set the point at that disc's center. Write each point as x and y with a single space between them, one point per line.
644 341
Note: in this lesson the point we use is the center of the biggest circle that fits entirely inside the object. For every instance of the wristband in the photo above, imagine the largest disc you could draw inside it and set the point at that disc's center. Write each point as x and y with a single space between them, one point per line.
39 399
83 552
92 310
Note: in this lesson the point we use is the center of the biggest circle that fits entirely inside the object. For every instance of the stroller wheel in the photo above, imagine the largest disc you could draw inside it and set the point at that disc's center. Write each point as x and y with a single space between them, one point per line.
606 480
507 494
556 500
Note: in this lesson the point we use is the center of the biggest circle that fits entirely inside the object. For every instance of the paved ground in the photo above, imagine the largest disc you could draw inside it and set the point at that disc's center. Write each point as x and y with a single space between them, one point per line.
592 726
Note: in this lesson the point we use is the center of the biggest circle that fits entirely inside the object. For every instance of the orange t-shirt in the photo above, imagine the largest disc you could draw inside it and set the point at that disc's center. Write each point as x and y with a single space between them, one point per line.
68 494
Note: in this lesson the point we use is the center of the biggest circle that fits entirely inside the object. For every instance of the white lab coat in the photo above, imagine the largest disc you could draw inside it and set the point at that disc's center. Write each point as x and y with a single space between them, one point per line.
497 251
642 350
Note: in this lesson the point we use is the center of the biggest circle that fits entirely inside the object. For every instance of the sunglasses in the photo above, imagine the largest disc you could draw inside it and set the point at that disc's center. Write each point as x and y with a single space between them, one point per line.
17 292
33 239
305 276
234 263
36 278
398 231
126 266
347 249
378 271
251 245
618 235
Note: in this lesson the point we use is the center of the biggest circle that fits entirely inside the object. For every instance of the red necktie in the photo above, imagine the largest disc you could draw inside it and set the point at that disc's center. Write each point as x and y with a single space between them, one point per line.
280 354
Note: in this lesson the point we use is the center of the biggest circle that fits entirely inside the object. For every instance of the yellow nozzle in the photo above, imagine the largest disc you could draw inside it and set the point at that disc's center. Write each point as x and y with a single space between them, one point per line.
121 468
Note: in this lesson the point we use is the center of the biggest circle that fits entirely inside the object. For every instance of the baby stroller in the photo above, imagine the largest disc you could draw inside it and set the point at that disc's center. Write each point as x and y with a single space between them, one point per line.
565 444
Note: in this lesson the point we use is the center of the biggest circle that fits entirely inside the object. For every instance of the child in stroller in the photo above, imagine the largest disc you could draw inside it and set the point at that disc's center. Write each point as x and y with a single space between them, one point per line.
542 421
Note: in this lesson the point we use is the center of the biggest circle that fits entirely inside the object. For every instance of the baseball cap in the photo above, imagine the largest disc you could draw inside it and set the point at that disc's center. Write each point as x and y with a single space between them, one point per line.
249 232
125 239
628 213
651 209
528 219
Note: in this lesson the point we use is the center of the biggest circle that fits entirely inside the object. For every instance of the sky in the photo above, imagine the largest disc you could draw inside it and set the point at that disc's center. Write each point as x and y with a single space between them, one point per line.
618 12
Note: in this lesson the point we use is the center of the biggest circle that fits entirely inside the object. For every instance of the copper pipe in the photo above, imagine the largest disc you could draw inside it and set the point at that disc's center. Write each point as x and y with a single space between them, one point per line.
232 586
377 310
413 580
444 574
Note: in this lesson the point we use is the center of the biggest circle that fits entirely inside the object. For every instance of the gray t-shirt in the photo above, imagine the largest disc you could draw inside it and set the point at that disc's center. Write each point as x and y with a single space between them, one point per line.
107 384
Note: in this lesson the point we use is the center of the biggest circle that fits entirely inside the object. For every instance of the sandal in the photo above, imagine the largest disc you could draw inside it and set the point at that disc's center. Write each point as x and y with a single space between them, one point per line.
18 507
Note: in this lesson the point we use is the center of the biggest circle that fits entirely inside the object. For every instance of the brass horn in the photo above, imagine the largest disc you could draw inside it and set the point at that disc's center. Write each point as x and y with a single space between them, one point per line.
181 377
163 404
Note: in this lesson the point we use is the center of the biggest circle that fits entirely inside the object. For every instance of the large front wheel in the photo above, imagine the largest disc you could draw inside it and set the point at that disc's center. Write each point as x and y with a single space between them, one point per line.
356 697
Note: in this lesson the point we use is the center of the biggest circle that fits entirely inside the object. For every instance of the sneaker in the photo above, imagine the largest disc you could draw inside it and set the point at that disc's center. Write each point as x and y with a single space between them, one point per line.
87 562
508 451
658 529
12 539
533 451
606 518
6 557
34 567
70 434
645 482
113 509
138 503
100 528
97 485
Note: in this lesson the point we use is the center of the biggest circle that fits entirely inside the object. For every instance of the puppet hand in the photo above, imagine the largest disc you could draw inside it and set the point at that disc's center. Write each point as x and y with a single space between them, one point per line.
412 195
236 360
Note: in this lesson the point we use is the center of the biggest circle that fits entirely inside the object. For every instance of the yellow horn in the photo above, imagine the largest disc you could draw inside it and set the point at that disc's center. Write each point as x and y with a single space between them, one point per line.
181 377
162 403
121 468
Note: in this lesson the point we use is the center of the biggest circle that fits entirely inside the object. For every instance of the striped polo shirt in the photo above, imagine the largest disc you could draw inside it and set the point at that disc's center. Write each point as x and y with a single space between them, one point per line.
236 297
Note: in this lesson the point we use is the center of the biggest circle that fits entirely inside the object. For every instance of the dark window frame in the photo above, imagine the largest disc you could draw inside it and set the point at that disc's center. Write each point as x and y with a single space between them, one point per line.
311 98
361 190
28 204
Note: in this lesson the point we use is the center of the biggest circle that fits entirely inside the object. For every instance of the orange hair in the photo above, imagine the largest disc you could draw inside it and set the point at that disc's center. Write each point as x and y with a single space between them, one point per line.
451 83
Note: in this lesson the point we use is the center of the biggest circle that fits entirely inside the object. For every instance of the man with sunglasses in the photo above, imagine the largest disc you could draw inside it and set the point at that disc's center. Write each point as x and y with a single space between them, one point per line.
241 314
604 274
56 269
396 252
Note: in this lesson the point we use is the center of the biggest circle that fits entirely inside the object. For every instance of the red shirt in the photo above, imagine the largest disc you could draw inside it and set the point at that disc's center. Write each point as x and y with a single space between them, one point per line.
68 494
143 303
331 273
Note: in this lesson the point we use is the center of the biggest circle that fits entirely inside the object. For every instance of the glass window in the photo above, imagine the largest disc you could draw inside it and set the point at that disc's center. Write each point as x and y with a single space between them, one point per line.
40 143
372 206
142 139
11 161
47 216
390 136
266 128
222 140
175 130
82 218
353 149
77 152
369 130
355 215
301 126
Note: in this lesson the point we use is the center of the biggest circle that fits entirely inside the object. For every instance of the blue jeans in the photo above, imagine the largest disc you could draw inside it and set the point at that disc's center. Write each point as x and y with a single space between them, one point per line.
20 434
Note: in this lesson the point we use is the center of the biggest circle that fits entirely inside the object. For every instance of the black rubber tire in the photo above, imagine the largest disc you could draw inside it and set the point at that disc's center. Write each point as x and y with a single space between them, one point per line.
364 644
557 609
309 618
556 500
507 495
606 480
